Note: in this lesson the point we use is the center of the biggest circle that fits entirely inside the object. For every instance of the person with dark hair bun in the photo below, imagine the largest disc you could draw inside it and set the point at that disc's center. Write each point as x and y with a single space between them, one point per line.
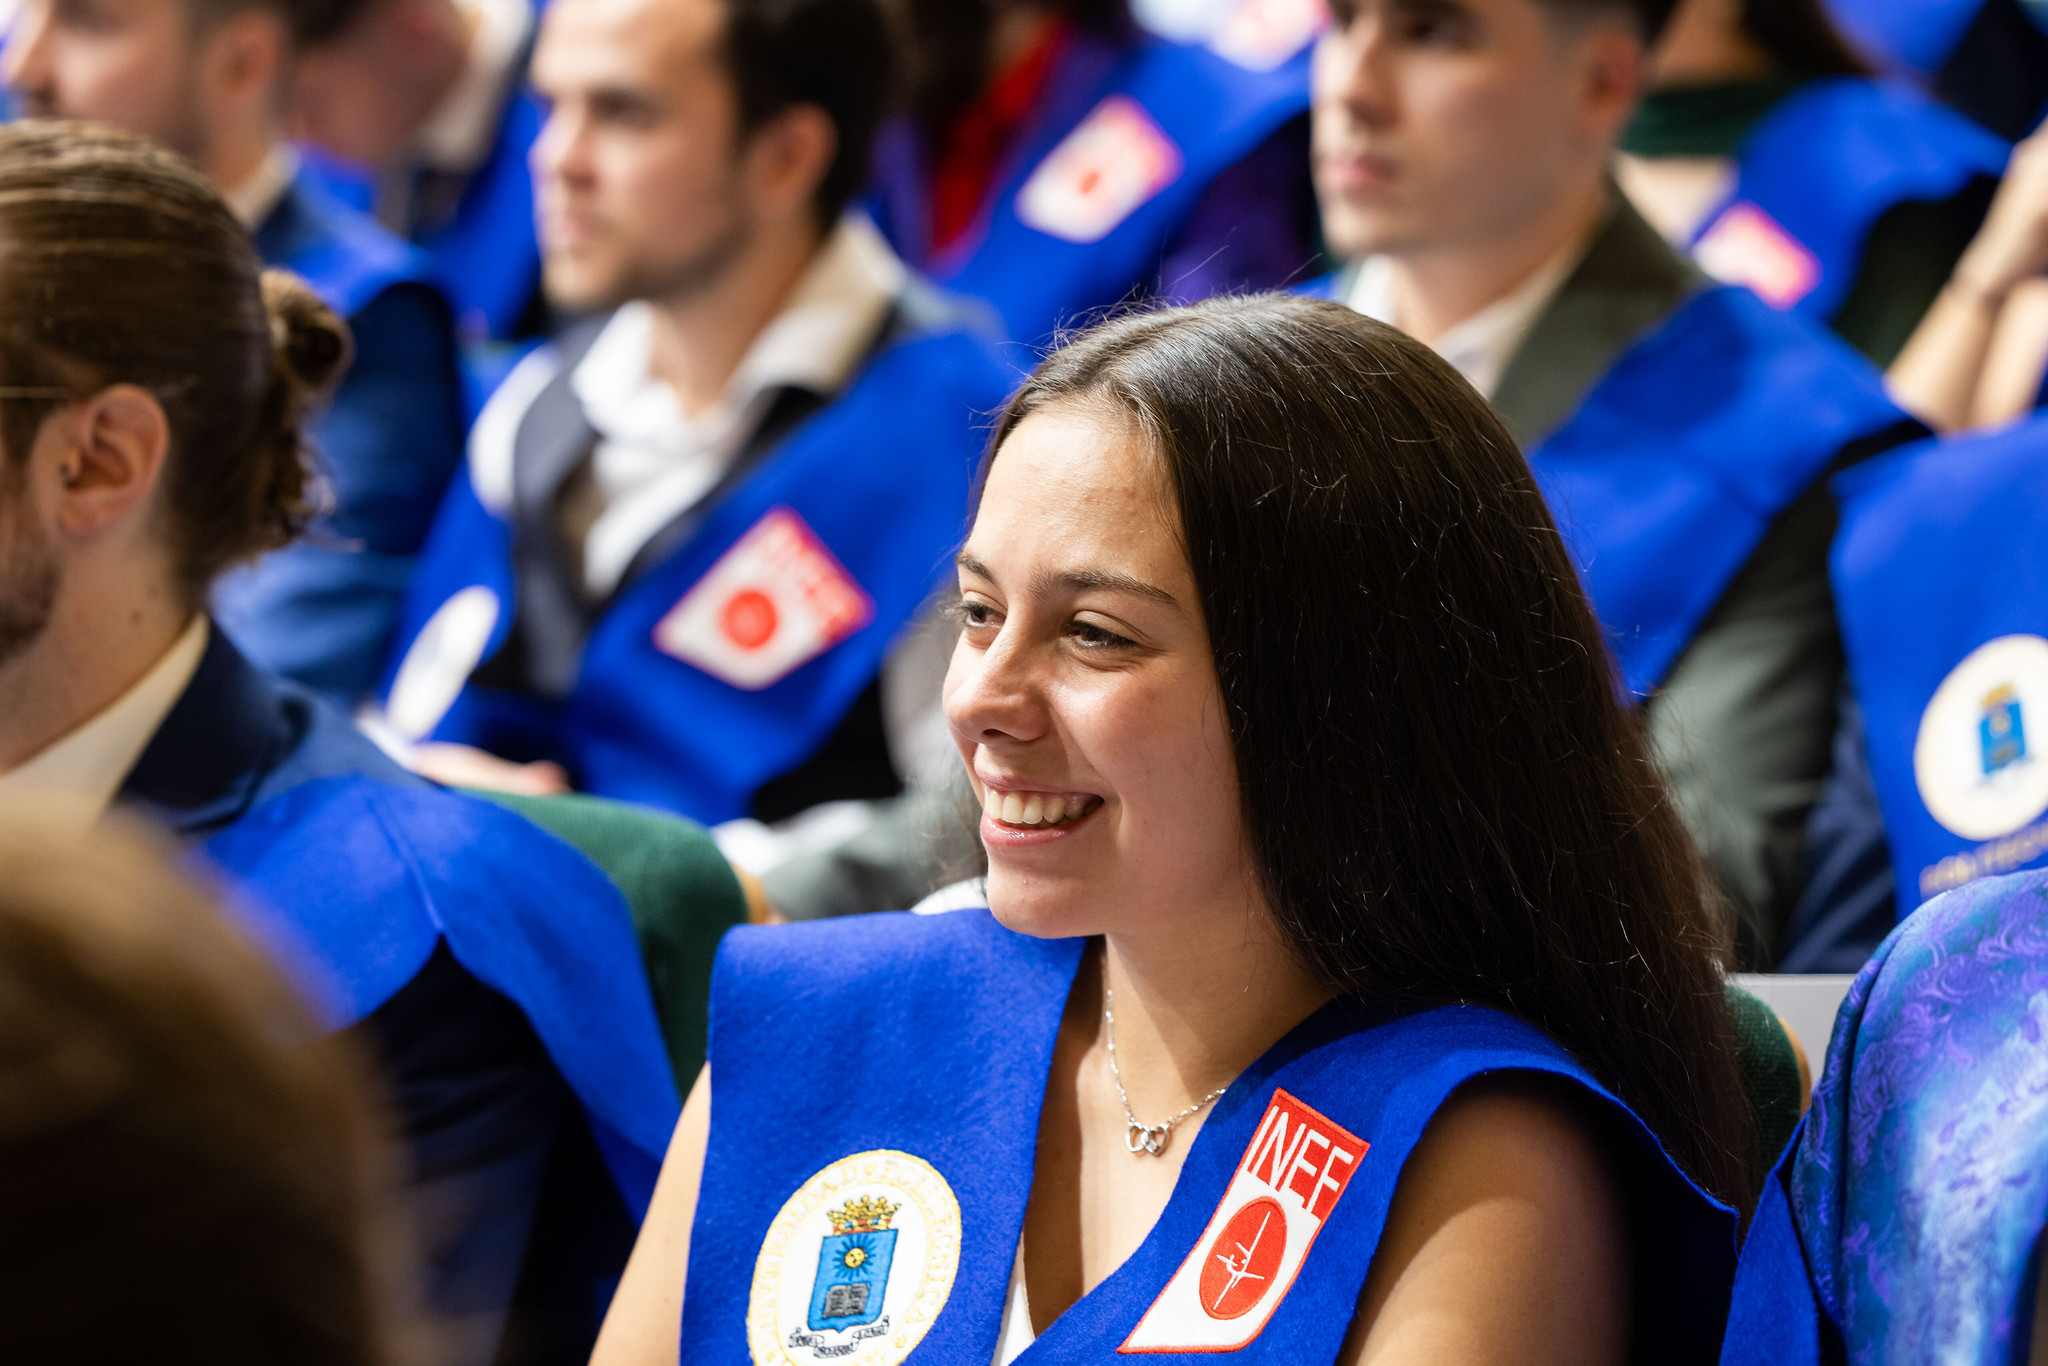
1056 160
1767 149
191 1168
154 382
1347 989
206 78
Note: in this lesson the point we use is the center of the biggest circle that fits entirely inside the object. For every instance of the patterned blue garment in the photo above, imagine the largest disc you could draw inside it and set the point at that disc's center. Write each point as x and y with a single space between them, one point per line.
1919 1186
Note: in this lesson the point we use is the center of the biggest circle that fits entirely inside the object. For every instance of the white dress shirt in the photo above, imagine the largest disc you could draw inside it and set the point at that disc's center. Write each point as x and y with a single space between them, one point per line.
78 774
1481 346
654 461
253 199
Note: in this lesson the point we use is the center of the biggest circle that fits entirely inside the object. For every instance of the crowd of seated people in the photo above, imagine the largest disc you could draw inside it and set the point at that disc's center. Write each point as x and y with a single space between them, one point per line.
1358 562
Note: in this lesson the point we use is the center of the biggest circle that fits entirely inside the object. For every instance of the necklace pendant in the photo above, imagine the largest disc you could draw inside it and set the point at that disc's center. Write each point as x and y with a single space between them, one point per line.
1149 1139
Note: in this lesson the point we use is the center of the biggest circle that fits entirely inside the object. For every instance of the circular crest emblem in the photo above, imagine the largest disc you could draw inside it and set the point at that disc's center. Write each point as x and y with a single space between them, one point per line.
1981 757
857 1264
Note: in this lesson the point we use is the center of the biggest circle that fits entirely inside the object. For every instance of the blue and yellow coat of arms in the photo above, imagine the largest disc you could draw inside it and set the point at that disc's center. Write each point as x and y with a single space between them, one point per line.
2001 730
853 1264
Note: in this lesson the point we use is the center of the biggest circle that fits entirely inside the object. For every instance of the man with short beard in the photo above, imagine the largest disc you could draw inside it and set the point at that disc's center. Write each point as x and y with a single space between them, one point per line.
693 528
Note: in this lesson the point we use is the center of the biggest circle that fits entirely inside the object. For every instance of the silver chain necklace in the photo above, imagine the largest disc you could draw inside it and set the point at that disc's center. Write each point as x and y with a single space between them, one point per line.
1150 1139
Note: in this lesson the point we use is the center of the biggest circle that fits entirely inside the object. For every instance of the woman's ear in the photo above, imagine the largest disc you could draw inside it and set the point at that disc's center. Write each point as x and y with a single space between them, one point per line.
109 453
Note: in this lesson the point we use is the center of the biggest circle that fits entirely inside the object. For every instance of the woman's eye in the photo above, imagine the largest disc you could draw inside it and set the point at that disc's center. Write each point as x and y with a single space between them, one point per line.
1094 637
973 615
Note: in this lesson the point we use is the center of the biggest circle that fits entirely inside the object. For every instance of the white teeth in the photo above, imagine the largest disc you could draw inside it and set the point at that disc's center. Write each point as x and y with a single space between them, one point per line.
1055 810
1034 810
1013 809
992 802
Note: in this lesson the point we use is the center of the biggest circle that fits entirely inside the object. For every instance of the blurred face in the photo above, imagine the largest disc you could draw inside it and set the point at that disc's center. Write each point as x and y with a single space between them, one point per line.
1451 123
28 563
639 172
129 63
345 95
1083 695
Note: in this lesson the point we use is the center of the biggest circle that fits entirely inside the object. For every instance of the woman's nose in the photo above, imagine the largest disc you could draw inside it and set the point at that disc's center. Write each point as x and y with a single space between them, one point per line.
992 696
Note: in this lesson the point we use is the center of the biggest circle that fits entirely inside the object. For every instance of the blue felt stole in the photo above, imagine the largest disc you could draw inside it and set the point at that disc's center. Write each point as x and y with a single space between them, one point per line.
526 915
1665 478
1099 186
857 512
1903 1222
1913 37
884 1075
1941 582
346 256
1817 172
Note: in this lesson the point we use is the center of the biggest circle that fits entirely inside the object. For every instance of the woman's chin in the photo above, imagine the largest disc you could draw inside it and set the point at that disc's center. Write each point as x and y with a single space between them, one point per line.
1041 908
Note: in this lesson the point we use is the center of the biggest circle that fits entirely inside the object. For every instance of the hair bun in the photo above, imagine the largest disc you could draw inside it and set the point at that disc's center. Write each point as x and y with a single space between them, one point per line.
309 344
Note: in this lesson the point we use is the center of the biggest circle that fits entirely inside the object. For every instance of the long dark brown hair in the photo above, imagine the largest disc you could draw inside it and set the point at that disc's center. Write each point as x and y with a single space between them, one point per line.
1446 797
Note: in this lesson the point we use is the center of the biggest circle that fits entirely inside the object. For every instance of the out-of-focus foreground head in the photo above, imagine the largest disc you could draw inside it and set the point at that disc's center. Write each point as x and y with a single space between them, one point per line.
1443 124
682 132
152 379
190 1171
202 77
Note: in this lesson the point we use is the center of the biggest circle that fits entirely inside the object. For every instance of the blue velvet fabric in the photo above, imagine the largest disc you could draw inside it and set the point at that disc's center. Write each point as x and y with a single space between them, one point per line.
322 611
933 1035
1915 1197
491 970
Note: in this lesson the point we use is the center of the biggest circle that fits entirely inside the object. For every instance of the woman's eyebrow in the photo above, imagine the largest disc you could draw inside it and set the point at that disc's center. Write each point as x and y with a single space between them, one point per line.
1077 581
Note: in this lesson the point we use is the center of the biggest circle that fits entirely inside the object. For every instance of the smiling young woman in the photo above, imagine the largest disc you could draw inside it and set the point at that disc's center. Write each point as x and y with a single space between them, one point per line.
1346 991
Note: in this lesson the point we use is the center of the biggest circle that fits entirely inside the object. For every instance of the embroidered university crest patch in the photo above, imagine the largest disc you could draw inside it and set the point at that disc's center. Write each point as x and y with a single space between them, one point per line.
856 1265
773 602
1100 174
1289 1179
1977 758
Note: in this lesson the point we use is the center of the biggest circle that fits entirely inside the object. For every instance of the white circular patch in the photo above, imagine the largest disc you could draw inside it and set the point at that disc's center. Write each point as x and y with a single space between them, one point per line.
857 1264
443 656
1981 758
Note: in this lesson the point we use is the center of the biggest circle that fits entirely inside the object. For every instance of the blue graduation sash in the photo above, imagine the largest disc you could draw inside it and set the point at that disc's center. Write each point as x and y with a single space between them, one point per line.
523 912
1942 558
1832 157
1902 1222
347 257
1670 471
1212 112
912 1076
880 477
1914 37
1666 478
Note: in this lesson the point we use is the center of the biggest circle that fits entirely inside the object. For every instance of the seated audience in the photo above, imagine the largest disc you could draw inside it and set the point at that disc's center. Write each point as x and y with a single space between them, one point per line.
1905 1224
1979 356
1941 773
1057 161
204 78
1246 943
1681 431
695 526
1766 149
189 1168
418 111
150 420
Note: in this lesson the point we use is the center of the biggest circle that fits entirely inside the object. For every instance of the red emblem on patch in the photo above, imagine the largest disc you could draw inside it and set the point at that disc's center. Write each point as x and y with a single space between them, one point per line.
1745 246
1100 174
1289 1179
774 601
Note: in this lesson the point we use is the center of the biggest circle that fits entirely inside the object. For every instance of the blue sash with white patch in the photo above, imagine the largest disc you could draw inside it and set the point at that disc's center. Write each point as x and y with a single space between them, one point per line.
1941 582
871 1155
525 914
1094 199
732 660
1903 1223
1819 170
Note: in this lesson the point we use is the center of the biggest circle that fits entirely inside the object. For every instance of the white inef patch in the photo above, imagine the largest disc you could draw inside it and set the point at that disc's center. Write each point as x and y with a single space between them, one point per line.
1745 246
1286 1184
1100 174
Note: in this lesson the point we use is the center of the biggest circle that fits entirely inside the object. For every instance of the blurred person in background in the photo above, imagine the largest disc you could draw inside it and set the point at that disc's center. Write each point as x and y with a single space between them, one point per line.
1056 160
1767 149
696 526
191 1168
418 111
1680 430
206 78
153 385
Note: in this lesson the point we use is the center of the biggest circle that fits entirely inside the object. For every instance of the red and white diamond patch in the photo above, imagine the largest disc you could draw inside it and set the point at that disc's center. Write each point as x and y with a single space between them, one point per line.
1745 246
1285 1186
1100 174
773 602
1259 35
